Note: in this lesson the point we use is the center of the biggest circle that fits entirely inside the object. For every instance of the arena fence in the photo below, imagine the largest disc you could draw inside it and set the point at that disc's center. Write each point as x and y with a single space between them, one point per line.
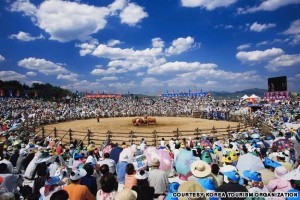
152 138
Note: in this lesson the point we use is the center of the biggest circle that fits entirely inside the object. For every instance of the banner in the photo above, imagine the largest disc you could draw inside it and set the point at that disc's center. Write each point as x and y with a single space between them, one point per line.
139 162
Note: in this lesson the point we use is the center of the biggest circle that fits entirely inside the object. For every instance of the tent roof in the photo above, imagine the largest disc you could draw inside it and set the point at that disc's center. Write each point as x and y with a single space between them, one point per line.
253 96
244 97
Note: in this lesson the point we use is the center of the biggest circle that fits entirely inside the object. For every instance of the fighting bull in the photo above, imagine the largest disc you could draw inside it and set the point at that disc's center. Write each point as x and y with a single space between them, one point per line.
150 120
137 121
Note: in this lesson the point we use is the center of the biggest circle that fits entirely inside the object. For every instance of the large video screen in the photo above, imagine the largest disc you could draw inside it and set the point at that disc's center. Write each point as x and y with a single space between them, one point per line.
277 84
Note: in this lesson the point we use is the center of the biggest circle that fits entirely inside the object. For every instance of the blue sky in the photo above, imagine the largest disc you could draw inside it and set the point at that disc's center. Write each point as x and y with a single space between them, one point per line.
146 46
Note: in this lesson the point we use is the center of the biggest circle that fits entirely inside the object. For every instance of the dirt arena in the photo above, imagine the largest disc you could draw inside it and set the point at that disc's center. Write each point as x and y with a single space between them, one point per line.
123 126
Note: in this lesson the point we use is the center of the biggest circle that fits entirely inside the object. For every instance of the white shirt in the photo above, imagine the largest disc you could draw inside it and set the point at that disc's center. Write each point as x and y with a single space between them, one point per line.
111 164
91 159
10 167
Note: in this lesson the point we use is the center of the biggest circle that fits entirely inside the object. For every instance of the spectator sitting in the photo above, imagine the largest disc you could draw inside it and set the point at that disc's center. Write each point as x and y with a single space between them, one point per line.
77 191
109 186
88 180
52 185
108 161
144 191
59 195
130 179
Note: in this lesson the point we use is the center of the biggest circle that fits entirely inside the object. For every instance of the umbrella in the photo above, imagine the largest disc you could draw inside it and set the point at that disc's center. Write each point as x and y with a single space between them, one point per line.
115 153
206 143
127 152
249 162
184 160
219 143
292 175
107 149
282 144
164 159
148 153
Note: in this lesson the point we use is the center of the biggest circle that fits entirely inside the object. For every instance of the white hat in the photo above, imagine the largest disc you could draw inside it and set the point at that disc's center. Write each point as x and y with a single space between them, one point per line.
141 175
77 174
200 169
280 171
126 194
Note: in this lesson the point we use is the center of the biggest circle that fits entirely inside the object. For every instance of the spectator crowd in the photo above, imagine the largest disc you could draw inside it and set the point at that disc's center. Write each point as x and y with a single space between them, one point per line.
250 161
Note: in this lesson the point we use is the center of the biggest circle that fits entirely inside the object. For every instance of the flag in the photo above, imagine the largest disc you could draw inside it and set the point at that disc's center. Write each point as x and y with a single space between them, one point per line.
195 89
1 92
35 93
18 93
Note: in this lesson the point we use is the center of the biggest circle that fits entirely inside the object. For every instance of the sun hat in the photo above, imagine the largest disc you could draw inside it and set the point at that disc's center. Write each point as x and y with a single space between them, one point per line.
271 163
52 180
77 174
280 171
77 156
227 168
173 187
190 186
200 169
10 148
252 175
232 175
207 183
281 155
155 162
126 194
141 175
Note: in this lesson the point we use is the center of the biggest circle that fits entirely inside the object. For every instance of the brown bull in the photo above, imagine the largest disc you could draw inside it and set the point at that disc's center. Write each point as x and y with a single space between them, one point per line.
137 121
150 120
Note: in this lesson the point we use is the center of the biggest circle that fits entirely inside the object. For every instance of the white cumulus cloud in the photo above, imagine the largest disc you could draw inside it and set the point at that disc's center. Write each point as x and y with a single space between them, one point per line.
68 77
256 27
26 37
64 20
180 67
2 58
180 45
243 46
294 32
207 4
283 61
11 75
43 66
110 78
112 43
117 5
252 57
30 74
132 14
268 5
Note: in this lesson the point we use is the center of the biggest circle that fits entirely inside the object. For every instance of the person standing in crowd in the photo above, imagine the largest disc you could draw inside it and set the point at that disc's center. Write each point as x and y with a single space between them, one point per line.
77 191
143 189
130 179
108 161
5 160
232 185
158 179
109 187
89 180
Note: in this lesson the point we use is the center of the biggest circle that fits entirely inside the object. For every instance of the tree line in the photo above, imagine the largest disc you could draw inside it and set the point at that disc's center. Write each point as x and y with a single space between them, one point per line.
14 89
